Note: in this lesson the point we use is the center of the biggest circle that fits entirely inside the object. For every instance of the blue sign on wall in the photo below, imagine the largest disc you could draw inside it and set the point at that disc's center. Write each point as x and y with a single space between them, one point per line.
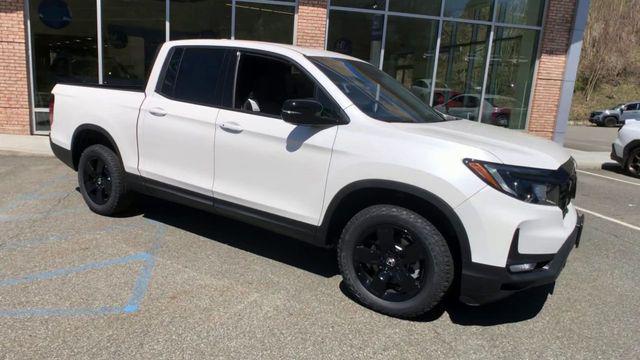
54 13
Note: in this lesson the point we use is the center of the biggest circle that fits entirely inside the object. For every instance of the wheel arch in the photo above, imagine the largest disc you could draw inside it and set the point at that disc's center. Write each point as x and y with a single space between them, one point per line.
86 135
361 194
629 147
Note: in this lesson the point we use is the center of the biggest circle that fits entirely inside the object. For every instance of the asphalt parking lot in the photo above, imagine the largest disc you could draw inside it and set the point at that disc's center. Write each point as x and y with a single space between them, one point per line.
167 281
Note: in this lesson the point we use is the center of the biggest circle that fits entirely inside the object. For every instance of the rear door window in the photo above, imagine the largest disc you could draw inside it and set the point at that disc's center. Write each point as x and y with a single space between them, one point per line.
193 75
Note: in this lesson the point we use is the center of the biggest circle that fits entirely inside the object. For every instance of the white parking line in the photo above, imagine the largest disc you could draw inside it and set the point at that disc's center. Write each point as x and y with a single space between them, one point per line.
632 227
608 177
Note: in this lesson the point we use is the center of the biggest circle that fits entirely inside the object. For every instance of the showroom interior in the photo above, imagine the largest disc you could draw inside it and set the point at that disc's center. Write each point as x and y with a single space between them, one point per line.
508 63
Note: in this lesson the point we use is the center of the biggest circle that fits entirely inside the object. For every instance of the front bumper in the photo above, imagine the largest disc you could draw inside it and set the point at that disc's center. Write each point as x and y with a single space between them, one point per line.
614 155
481 284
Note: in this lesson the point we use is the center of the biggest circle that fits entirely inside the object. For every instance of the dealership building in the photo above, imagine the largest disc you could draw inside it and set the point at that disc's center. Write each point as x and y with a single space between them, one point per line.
509 63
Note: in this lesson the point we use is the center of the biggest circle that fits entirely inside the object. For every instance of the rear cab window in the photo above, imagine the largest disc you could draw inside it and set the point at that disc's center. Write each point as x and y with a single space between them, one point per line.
194 75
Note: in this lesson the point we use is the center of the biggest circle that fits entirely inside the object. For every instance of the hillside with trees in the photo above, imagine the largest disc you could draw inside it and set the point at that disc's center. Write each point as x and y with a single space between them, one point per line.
609 71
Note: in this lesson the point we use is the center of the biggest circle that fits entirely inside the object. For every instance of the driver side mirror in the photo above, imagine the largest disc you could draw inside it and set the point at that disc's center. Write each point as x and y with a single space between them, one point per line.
304 112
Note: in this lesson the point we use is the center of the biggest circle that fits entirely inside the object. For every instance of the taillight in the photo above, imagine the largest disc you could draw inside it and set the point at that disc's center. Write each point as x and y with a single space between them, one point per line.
51 103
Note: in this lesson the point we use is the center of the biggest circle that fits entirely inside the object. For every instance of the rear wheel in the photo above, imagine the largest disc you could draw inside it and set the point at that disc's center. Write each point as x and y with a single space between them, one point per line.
101 180
610 122
395 261
633 162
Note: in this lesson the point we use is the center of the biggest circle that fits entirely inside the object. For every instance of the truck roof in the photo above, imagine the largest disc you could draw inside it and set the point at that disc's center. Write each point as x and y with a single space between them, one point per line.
261 45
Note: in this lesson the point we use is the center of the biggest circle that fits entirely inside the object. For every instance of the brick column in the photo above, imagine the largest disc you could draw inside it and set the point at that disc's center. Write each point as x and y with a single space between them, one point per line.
14 89
550 78
312 23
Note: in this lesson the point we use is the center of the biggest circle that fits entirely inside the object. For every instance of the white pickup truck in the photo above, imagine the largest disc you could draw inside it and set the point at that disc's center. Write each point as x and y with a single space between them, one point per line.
328 149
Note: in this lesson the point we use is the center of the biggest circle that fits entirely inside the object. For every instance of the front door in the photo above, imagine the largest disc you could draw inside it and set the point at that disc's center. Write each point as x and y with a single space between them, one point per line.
262 162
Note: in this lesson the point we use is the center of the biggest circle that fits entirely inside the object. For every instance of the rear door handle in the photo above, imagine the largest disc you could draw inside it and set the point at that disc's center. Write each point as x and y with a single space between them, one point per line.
157 112
231 127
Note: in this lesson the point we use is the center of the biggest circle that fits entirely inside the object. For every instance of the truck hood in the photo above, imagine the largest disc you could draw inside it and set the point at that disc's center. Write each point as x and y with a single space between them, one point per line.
510 146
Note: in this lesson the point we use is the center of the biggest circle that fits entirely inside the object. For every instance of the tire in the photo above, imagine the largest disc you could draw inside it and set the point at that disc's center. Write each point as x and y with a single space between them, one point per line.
610 121
101 178
632 165
503 121
387 243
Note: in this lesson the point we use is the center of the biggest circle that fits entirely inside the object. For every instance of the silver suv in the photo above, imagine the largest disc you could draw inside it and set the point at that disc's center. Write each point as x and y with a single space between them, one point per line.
617 115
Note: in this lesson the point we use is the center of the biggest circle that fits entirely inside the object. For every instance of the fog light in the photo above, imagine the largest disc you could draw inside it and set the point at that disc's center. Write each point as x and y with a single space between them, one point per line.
522 267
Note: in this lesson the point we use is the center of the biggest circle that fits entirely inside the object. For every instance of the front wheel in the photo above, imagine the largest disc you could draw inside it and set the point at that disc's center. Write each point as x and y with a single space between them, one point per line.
633 162
101 180
610 122
395 261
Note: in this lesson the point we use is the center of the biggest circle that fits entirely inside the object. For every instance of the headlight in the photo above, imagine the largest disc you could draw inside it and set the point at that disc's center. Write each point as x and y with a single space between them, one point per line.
534 186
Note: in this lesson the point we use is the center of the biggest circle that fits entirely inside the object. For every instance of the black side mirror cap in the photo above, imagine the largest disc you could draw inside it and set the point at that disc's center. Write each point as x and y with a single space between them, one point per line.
304 112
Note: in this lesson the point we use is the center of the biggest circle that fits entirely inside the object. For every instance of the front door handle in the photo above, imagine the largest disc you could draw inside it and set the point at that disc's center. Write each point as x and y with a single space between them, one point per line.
157 112
231 127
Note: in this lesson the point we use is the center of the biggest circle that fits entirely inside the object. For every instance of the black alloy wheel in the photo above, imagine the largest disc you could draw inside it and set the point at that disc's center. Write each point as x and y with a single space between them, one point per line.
101 178
395 261
97 180
390 263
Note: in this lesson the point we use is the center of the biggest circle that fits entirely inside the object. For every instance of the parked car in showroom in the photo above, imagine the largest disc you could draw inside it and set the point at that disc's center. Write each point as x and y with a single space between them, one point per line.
626 148
496 110
328 149
617 115
422 89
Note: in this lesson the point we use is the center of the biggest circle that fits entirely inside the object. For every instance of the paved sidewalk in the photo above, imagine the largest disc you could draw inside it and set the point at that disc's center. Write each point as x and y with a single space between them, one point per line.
33 145
589 160
39 145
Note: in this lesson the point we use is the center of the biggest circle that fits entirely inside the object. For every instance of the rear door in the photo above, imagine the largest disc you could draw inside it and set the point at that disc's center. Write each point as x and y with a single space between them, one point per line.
262 162
176 130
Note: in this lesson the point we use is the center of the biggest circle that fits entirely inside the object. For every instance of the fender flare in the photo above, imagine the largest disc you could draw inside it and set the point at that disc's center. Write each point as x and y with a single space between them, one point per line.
91 127
627 149
432 199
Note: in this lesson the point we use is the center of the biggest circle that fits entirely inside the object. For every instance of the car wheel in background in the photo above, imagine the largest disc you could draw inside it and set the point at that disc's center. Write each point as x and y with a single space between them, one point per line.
101 180
633 162
394 261
502 120
610 122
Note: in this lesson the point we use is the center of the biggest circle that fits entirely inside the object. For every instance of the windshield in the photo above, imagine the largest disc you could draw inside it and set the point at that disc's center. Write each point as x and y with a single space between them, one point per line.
375 93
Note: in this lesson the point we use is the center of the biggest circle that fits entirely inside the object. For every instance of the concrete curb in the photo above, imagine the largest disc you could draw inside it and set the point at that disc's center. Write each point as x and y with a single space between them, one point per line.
26 144
590 160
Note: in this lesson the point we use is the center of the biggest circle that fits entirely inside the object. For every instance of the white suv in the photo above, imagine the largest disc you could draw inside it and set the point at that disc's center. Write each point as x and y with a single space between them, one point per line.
328 149
626 148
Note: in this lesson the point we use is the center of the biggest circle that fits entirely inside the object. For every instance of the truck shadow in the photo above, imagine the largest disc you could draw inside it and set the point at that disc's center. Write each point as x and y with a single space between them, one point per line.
520 307
240 236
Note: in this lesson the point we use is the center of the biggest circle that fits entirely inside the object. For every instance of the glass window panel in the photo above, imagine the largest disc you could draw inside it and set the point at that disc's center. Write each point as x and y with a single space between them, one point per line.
192 75
461 65
469 9
42 121
132 31
363 41
200 19
361 4
64 46
526 12
409 55
264 22
423 7
510 77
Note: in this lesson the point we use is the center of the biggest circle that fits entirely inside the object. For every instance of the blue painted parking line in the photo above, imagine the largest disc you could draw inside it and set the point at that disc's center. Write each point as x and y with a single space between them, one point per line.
132 305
